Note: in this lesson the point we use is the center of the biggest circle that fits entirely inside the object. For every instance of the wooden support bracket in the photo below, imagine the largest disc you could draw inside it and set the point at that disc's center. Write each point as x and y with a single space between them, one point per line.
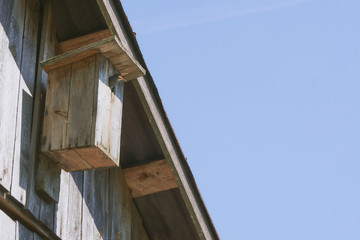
149 178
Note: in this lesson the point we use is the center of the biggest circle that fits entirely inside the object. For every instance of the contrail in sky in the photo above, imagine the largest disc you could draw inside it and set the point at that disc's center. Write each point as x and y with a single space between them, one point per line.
204 15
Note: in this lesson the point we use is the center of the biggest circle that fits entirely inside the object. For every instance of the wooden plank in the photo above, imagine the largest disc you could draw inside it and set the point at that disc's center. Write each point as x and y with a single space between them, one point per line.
63 156
23 232
88 220
11 42
96 205
78 42
149 178
120 205
108 47
63 206
23 165
80 101
109 111
74 211
55 125
96 157
117 99
103 104
37 206
7 226
48 179
47 214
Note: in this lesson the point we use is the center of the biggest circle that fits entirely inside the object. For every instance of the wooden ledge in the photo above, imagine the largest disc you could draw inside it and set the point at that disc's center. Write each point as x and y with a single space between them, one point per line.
149 178
110 47
78 42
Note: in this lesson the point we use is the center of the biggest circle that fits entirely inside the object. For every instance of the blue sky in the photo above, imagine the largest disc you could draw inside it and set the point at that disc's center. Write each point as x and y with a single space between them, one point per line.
264 98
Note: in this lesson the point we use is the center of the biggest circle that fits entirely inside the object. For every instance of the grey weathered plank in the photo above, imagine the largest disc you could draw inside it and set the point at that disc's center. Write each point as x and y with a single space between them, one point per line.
96 205
117 99
41 209
7 226
23 233
89 231
74 211
47 179
103 107
56 109
120 205
23 165
62 206
11 41
81 99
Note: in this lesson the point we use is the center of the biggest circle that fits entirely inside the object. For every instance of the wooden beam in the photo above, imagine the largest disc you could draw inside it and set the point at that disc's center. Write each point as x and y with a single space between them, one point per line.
149 178
111 48
69 45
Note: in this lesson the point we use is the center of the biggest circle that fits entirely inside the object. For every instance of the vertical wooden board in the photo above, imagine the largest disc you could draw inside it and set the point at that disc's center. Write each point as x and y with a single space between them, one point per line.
81 102
23 166
61 208
74 212
47 49
23 233
11 32
88 221
104 190
120 205
137 228
7 226
47 214
47 179
103 104
95 205
46 211
117 99
55 125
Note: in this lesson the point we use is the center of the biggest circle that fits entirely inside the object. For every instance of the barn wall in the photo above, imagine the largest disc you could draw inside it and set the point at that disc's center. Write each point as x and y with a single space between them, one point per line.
92 204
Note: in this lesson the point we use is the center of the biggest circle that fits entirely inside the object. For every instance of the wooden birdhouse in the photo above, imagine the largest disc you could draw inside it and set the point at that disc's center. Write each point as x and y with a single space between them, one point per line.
83 109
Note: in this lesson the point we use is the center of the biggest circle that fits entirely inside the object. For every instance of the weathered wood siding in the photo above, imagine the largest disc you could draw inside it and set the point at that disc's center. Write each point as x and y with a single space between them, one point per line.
93 204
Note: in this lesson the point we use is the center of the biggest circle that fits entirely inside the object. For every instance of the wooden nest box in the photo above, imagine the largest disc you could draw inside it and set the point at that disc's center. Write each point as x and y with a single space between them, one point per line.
83 109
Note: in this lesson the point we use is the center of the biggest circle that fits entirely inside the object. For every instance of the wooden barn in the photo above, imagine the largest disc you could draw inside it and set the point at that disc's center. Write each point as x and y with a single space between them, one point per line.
86 148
